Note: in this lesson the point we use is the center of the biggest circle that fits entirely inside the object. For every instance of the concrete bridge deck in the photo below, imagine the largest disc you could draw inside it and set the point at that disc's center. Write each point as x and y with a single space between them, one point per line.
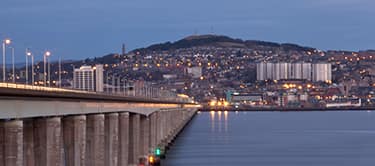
53 128
23 103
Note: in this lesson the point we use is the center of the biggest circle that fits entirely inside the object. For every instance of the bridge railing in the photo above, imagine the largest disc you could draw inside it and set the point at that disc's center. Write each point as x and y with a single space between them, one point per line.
144 92
39 88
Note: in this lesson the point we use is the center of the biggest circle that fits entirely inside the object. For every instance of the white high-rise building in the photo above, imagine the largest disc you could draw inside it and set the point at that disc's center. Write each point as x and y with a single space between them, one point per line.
297 70
83 78
292 71
276 71
322 72
261 71
99 78
307 71
284 70
88 79
269 72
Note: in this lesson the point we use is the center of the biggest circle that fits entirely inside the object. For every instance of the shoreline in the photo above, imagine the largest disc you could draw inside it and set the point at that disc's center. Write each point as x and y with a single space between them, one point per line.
288 109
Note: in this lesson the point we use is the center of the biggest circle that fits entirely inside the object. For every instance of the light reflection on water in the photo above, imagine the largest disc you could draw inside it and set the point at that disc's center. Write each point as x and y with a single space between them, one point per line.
219 123
275 138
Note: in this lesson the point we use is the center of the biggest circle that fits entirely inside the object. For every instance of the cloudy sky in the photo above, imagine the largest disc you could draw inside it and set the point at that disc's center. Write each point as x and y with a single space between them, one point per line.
77 29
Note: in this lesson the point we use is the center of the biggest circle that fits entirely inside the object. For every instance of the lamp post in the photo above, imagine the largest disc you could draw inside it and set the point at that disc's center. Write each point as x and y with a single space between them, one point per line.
113 84
46 54
13 68
5 42
27 68
59 72
118 84
107 82
124 86
28 53
49 72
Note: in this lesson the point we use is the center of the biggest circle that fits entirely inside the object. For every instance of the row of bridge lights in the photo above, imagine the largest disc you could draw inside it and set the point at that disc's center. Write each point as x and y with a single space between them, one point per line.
6 42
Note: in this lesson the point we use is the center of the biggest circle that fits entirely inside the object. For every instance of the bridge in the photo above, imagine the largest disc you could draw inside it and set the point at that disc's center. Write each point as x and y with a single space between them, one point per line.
41 126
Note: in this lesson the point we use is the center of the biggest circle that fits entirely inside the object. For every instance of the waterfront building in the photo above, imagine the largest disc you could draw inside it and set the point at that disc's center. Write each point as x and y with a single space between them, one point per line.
296 70
269 73
276 71
307 71
284 68
88 78
195 72
99 78
322 72
261 71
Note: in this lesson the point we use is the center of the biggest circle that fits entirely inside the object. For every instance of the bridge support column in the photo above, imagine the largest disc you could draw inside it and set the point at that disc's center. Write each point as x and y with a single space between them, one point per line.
123 138
28 142
74 132
162 129
12 143
169 125
111 139
2 143
145 136
134 139
95 140
161 126
48 142
158 127
153 131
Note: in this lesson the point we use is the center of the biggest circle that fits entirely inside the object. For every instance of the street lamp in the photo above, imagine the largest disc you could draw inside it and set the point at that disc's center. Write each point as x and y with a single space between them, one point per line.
49 72
107 82
118 84
5 42
46 54
114 84
13 68
59 72
28 53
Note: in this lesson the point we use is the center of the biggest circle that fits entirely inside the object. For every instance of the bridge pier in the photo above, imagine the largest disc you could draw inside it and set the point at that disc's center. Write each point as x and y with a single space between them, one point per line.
163 127
74 133
48 142
134 139
95 140
153 130
28 142
12 143
123 138
111 139
158 130
145 136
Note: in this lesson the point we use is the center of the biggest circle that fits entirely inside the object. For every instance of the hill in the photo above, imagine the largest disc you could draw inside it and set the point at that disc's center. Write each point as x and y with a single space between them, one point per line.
223 42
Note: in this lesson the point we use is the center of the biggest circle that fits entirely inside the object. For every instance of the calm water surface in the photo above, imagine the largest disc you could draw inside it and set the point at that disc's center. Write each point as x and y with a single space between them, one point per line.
276 139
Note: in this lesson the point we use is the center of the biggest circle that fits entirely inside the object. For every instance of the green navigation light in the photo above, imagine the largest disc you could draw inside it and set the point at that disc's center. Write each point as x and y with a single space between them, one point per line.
157 152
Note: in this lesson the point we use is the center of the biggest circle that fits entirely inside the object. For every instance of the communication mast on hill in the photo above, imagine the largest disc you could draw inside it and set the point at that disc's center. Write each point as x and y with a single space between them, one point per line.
123 50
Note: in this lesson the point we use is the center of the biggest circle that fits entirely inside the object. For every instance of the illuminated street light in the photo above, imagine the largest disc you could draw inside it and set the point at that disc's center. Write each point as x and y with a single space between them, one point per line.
29 54
5 42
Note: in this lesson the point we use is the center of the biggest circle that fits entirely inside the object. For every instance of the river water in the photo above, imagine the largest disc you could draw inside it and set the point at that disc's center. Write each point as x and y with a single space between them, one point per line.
276 139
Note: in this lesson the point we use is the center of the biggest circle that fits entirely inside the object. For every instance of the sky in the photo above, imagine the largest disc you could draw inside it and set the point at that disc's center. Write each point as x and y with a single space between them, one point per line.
79 29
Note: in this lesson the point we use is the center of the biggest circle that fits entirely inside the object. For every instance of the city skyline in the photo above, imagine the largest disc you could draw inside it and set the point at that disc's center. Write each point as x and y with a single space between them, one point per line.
77 30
